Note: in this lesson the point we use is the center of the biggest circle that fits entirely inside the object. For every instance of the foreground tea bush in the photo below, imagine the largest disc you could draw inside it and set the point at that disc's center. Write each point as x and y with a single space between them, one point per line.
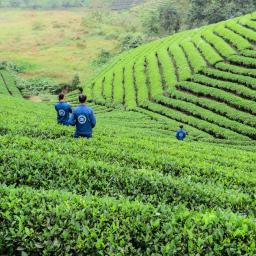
131 190
100 178
46 222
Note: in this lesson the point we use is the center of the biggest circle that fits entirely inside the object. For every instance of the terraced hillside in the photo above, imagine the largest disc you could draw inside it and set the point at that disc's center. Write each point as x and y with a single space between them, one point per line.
204 78
131 190
7 84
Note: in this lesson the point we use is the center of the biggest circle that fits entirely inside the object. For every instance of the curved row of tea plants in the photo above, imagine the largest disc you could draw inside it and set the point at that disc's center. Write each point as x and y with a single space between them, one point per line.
7 84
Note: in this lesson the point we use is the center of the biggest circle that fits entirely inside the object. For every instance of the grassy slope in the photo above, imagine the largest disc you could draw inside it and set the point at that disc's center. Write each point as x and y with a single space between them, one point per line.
130 158
53 44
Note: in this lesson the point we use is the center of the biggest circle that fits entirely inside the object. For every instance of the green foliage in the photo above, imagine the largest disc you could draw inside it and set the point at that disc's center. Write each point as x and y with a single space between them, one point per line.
195 59
8 84
67 214
7 65
153 74
133 189
9 81
3 88
103 58
168 17
164 20
131 41
141 82
207 12
118 88
75 82
248 53
167 68
35 86
130 97
107 87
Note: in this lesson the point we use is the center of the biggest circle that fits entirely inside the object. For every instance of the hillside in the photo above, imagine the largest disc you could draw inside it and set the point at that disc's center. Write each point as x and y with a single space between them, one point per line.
131 190
56 44
204 78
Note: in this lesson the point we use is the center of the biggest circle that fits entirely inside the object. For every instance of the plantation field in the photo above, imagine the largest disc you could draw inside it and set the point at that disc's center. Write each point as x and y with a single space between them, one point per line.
131 190
204 78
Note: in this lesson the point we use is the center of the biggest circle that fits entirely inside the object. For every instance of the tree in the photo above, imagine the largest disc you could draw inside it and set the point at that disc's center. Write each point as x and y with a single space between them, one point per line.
169 19
164 20
151 23
205 12
103 58
75 82
131 41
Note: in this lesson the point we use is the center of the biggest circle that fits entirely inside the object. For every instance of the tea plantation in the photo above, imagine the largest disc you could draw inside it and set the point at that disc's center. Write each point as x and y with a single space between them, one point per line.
134 189
204 78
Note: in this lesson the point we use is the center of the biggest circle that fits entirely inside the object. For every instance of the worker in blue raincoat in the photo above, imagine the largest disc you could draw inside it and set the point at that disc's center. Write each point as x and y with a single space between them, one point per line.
181 134
83 118
63 110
